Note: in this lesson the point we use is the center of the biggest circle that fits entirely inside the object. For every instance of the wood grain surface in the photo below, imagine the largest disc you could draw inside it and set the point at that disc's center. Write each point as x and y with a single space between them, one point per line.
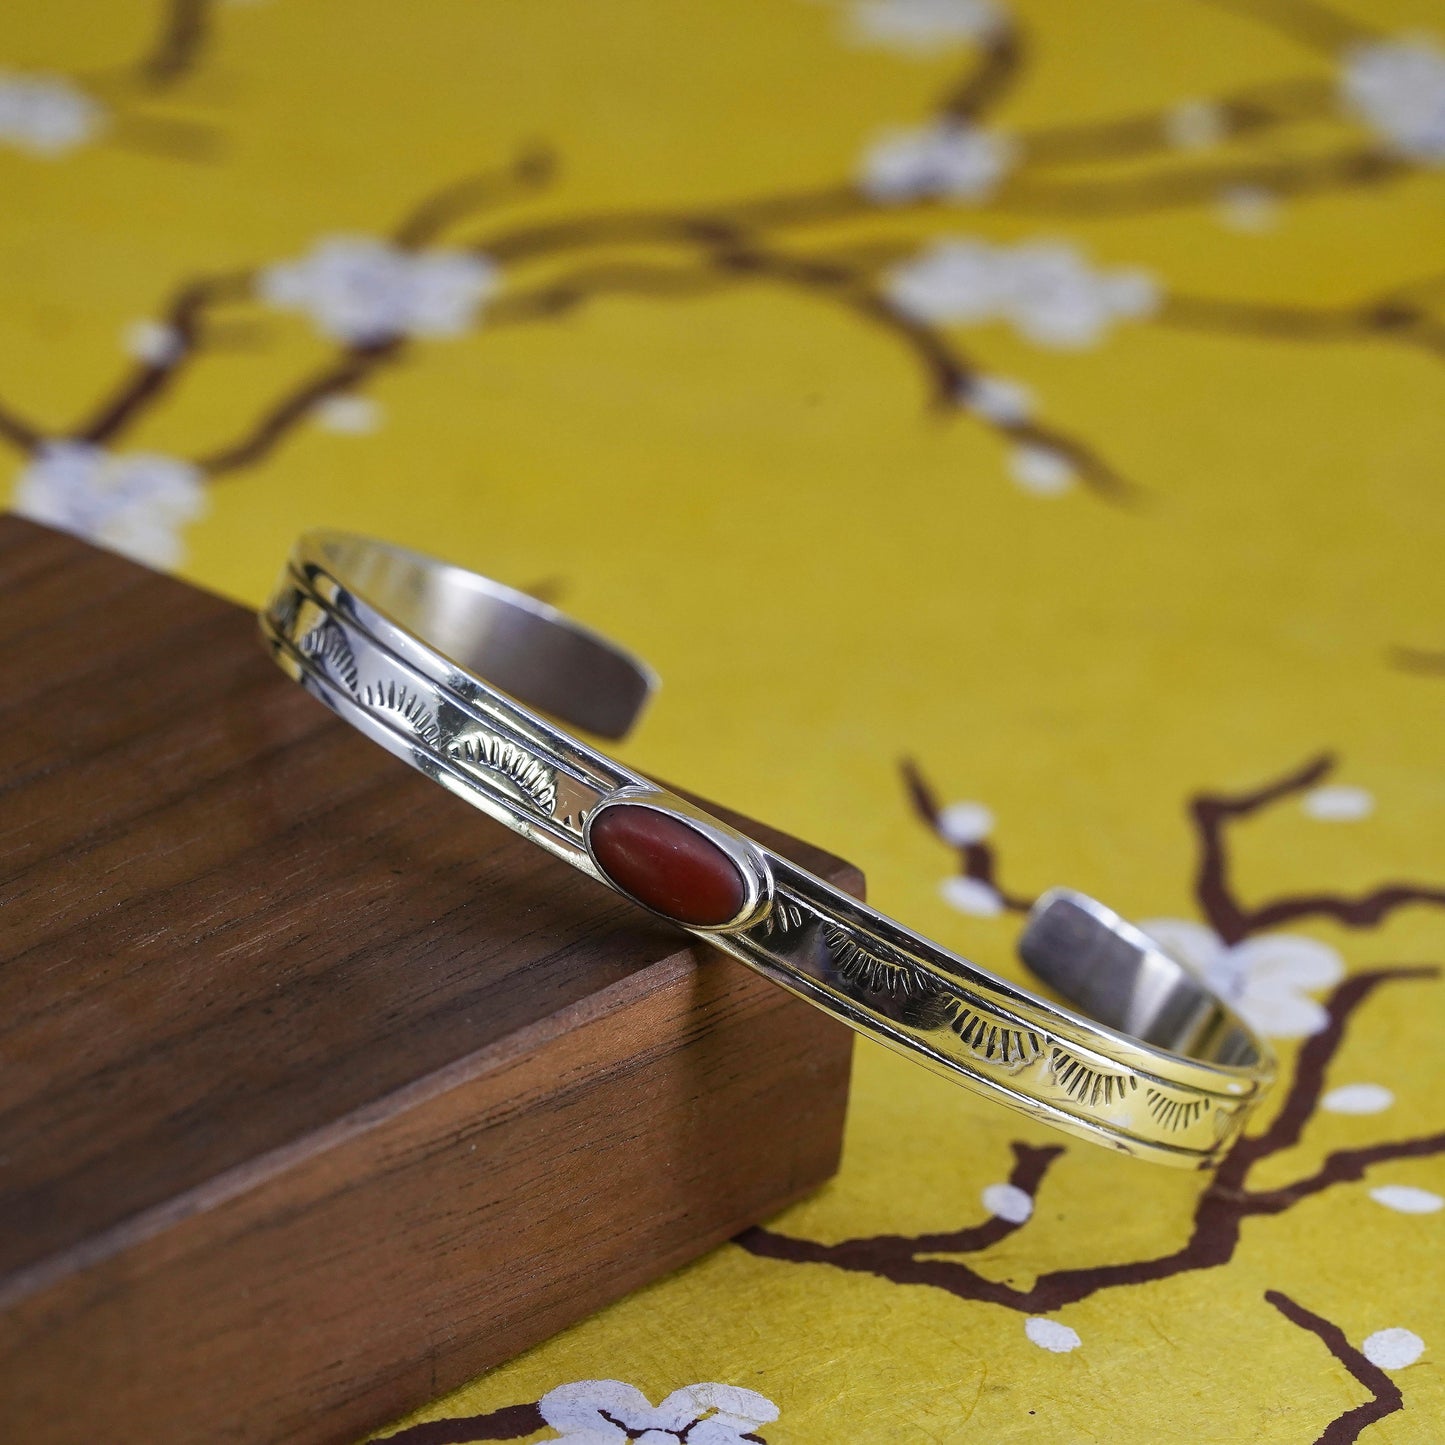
319 1091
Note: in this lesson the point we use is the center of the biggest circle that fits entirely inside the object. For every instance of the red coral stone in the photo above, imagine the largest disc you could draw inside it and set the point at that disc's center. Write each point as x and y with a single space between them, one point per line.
670 867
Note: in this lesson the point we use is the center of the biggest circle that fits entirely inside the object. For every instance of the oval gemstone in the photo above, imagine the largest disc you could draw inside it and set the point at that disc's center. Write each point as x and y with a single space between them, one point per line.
667 865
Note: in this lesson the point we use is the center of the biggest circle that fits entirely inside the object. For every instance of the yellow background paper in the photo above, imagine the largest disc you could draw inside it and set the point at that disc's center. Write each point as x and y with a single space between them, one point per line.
748 485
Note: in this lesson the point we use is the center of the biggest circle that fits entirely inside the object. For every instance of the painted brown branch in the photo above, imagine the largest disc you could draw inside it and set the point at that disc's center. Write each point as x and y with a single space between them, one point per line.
1241 114
1030 1167
175 50
732 265
168 135
976 860
829 203
512 1422
1290 323
1391 318
356 365
1091 469
1219 1216
1303 1095
1385 1397
1423 291
345 375
148 380
426 221
1345 1166
565 294
24 436
1171 187
1418 660
1306 21
1233 920
998 70
548 238
947 371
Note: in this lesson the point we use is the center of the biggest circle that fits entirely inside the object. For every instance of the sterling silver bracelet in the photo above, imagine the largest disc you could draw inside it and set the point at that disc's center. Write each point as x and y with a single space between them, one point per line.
451 671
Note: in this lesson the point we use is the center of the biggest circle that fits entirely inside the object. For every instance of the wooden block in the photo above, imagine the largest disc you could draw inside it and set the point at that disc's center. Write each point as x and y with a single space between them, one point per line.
319 1091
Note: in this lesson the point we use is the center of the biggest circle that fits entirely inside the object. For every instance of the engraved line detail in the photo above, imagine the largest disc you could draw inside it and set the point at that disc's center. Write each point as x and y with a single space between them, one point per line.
1087 1085
878 975
1172 1113
326 644
397 700
994 1042
533 779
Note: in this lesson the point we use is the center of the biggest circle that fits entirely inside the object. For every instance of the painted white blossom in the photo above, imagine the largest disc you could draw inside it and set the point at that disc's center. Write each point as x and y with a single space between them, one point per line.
1051 1335
1339 803
1358 1099
1394 1348
1397 88
1406 1199
922 27
995 399
361 290
45 115
1008 1201
152 341
349 414
956 281
971 896
1268 979
605 1412
1251 209
1042 470
134 504
965 823
1046 290
1195 125
948 161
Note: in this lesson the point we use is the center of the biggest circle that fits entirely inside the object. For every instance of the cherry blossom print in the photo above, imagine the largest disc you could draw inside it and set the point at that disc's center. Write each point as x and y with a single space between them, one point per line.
1009 1202
1051 1335
1406 1199
1358 1099
601 1412
1195 125
1268 978
363 291
965 822
349 415
949 160
1252 210
1394 1348
1044 471
47 115
135 504
923 27
1006 403
1243 951
1397 88
371 294
153 342
1338 803
971 896
1046 290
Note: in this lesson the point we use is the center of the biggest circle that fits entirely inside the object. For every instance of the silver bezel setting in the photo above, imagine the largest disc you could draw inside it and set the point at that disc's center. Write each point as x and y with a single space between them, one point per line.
740 851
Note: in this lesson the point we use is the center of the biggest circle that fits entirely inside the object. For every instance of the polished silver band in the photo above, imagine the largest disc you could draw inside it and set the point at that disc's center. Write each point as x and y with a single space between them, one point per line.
444 668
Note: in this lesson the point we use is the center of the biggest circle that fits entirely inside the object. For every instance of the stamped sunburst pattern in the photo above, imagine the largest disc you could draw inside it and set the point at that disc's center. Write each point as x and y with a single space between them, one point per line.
1049 395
